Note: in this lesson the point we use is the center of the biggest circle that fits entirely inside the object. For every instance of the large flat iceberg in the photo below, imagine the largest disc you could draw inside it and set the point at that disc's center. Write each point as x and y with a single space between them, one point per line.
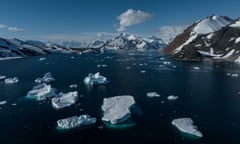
47 78
75 122
117 109
186 125
64 99
41 92
95 79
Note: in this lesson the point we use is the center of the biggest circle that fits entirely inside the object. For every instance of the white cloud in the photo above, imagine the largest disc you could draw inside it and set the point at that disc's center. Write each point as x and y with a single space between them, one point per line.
15 29
2 26
132 17
168 33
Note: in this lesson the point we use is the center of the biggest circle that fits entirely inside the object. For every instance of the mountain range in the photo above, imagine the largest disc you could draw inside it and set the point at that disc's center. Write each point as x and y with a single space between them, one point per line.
15 48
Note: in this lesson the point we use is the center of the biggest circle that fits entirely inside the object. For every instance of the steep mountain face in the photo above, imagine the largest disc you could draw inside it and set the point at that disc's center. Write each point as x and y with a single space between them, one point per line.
201 27
128 41
220 41
220 45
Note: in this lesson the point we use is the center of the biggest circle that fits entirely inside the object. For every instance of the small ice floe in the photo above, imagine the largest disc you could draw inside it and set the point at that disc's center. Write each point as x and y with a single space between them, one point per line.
142 71
42 59
64 100
47 78
166 62
101 65
186 125
172 97
73 86
95 79
196 68
233 75
128 67
75 122
162 58
11 80
2 77
152 94
41 92
117 109
3 102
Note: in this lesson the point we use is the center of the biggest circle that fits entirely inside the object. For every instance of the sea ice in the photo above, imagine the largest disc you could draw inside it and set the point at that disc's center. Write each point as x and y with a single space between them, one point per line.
152 94
95 79
73 86
186 125
172 97
65 99
76 121
41 92
42 59
117 109
47 78
11 80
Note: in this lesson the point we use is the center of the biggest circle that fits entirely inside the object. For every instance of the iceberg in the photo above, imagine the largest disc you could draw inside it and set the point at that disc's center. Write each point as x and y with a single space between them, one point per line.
75 122
11 80
41 92
95 79
64 100
117 109
47 78
186 125
152 94
172 97
3 102
2 77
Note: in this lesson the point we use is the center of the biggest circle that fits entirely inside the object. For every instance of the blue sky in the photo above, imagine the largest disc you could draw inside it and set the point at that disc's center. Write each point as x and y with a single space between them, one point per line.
87 19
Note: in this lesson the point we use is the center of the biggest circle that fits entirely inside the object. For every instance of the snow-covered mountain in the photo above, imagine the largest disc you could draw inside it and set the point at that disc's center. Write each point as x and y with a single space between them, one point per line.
217 43
12 48
201 27
129 41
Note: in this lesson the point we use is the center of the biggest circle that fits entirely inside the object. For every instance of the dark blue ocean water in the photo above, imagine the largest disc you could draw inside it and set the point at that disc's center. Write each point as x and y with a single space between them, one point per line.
208 96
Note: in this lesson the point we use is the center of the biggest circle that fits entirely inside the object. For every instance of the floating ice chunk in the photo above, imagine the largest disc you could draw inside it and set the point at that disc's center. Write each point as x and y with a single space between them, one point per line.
128 67
117 109
186 125
101 65
95 79
47 78
73 86
143 71
65 100
196 68
41 92
76 122
166 63
42 59
3 102
2 77
172 97
11 80
152 94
